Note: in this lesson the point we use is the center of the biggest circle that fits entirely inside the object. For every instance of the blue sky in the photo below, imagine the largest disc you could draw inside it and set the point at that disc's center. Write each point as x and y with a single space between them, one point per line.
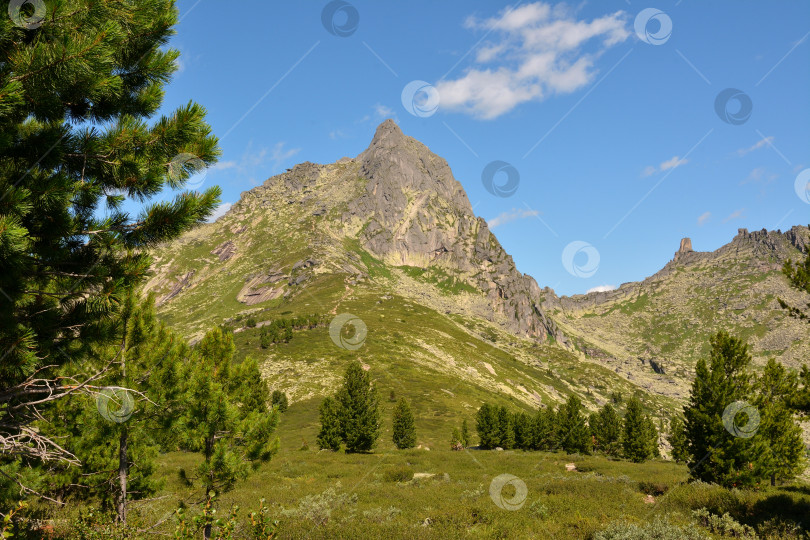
605 113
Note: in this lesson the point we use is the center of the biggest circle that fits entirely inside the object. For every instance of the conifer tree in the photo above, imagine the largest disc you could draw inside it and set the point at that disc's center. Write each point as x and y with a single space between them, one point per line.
486 424
718 420
404 428
606 427
227 417
635 435
464 438
573 433
544 429
358 410
78 95
773 392
523 430
677 440
118 433
506 428
279 399
329 437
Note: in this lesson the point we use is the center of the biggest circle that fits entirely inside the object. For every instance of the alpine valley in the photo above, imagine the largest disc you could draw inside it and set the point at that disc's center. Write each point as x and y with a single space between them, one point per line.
390 237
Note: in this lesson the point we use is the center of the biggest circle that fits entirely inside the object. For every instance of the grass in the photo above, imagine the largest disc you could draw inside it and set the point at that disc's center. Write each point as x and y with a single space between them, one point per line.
439 493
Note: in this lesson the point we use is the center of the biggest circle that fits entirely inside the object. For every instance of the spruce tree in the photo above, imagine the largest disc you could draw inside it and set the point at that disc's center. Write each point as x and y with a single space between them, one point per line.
523 430
774 391
359 410
718 425
677 440
486 424
573 433
606 427
506 428
544 429
404 428
329 437
78 139
635 435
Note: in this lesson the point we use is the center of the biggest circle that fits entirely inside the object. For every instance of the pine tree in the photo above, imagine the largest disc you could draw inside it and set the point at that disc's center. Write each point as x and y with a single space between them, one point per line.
573 433
404 429
140 419
720 387
465 434
486 424
77 142
677 440
359 410
774 391
606 427
329 437
227 417
279 399
506 428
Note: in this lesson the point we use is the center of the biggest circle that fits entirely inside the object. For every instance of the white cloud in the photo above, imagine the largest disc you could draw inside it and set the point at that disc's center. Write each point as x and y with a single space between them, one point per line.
672 163
219 211
734 215
279 155
223 165
704 217
256 165
538 53
602 288
649 170
760 175
512 215
759 144
379 112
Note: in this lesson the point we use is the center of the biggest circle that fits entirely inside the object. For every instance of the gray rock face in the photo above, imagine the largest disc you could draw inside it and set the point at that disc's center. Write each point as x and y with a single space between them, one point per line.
418 215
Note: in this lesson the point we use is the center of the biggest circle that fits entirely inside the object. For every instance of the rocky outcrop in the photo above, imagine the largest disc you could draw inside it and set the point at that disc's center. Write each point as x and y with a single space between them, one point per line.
417 214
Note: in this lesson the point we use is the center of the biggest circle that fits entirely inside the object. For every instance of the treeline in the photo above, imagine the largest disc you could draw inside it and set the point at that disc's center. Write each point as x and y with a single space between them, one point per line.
633 436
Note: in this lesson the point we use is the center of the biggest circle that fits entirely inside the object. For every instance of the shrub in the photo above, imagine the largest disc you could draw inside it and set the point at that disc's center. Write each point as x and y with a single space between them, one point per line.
659 529
724 525
402 473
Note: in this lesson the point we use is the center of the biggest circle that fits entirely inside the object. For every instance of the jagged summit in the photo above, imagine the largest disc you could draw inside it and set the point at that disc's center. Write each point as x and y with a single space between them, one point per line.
388 134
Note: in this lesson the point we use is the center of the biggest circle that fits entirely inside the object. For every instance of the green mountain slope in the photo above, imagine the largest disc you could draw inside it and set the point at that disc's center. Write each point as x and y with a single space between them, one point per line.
390 238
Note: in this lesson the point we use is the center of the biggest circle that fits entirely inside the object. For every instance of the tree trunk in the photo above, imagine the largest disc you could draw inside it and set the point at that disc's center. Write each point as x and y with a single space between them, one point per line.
773 479
122 476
